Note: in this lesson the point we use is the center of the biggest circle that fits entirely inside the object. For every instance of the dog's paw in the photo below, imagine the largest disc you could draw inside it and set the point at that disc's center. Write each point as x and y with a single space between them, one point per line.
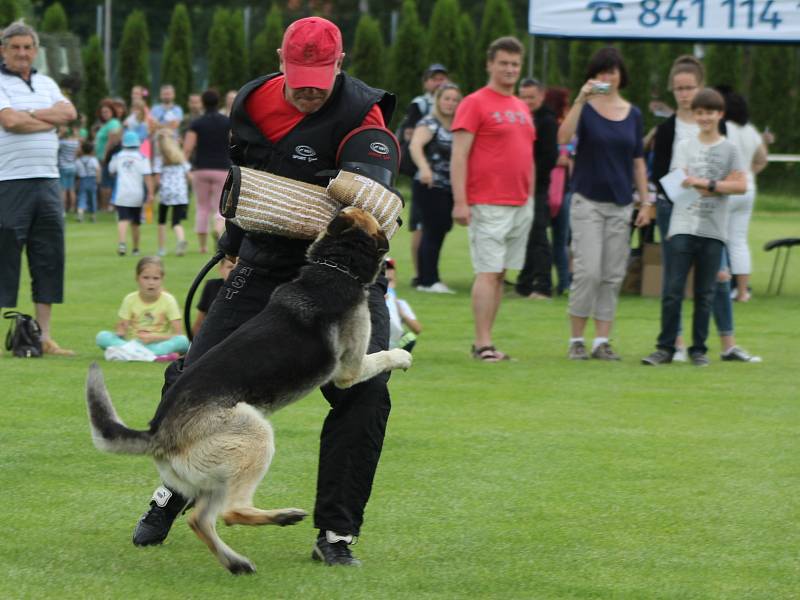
241 566
400 359
290 516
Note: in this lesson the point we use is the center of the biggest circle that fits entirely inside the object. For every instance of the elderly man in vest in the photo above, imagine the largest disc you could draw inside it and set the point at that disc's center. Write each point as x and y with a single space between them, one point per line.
291 124
31 213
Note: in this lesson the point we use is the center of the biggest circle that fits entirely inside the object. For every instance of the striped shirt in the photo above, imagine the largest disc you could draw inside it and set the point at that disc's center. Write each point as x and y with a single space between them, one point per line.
67 153
28 155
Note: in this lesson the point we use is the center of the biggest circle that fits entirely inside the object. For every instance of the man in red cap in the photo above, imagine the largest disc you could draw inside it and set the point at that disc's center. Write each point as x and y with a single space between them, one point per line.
291 124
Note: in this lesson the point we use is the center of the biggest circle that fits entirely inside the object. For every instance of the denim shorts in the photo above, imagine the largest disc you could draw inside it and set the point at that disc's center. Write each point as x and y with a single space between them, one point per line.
67 178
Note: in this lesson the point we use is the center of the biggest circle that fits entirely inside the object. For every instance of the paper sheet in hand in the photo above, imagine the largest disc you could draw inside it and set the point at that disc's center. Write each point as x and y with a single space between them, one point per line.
675 191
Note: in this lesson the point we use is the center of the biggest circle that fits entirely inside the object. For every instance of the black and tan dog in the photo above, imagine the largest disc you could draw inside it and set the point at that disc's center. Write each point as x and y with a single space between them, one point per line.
208 438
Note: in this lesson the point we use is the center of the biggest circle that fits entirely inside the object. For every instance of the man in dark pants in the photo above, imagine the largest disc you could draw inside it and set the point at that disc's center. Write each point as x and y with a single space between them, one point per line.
291 124
535 279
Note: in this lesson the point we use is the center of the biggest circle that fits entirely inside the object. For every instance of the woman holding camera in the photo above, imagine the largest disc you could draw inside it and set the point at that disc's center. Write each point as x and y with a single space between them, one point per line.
609 163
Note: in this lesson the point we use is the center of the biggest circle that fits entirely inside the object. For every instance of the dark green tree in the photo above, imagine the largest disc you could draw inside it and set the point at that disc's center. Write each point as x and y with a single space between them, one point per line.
366 56
445 44
772 86
498 21
219 54
239 68
474 59
724 64
176 67
407 56
264 55
95 87
133 64
9 12
54 19
641 76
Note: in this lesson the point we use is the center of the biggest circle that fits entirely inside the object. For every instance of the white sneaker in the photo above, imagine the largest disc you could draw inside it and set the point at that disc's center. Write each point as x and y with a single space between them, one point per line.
162 252
680 355
436 288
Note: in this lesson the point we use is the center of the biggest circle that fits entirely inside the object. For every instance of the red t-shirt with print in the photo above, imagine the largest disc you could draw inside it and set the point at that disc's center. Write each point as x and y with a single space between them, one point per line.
500 164
275 117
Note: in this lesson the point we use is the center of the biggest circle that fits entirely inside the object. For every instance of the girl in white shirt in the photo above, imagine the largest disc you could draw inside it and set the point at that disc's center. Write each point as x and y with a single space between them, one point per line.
751 148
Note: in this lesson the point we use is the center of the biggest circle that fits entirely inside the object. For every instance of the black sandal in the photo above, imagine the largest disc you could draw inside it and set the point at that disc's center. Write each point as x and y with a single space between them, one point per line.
489 354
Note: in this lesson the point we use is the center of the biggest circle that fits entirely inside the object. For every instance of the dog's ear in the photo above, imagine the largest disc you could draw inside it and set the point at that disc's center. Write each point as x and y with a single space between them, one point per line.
340 223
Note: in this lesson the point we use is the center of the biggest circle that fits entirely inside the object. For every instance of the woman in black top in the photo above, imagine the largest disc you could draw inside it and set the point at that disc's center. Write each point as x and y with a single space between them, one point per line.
430 148
208 138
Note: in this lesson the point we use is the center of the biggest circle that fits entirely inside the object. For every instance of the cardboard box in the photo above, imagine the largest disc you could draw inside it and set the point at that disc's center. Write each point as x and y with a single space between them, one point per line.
651 270
653 273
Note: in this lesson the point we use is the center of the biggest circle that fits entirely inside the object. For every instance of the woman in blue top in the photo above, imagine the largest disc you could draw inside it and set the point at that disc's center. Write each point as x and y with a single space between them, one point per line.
609 162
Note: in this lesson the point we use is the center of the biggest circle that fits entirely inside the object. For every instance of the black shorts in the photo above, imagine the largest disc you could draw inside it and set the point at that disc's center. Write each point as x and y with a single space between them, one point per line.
178 213
130 213
31 217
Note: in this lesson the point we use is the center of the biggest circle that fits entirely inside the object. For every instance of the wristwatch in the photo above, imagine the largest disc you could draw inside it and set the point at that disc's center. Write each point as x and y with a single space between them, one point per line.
712 185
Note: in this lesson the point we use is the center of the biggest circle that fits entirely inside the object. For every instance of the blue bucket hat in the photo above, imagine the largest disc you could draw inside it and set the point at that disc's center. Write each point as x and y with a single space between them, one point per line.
130 140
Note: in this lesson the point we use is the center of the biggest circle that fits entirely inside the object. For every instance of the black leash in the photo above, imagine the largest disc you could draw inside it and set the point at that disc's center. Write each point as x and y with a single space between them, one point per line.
187 310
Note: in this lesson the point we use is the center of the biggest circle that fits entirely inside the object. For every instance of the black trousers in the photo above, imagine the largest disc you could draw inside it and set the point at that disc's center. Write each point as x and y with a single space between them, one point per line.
436 208
353 431
536 275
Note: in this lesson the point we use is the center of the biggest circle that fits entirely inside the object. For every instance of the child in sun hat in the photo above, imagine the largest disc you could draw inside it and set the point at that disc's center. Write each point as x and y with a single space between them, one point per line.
133 175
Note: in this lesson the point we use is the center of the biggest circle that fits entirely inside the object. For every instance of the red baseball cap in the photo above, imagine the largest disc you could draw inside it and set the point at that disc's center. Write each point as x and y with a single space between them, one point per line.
310 49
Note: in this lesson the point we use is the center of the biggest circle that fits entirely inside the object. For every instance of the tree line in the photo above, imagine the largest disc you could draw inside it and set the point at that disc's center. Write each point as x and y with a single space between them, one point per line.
393 52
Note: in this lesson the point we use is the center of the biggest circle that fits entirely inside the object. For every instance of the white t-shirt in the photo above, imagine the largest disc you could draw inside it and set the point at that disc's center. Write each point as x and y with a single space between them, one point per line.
747 140
87 166
684 131
130 166
707 216
28 155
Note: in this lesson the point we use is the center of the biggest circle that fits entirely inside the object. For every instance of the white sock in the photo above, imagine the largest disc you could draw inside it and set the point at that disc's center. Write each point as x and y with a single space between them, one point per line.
597 341
335 537
573 340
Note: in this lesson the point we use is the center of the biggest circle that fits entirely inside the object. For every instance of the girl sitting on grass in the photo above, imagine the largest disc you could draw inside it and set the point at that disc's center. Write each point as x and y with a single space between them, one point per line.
171 177
150 317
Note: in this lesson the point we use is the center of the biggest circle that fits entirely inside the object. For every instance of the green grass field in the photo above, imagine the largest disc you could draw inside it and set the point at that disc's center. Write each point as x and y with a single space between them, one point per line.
538 478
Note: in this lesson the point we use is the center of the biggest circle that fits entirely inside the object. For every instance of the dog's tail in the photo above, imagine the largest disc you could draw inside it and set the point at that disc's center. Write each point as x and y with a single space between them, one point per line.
109 433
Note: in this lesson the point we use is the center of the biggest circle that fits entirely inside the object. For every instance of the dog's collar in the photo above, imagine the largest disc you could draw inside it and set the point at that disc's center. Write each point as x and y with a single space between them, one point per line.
341 268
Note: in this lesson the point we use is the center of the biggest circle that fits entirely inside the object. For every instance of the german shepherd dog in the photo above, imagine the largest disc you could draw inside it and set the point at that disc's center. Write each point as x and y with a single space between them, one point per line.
208 437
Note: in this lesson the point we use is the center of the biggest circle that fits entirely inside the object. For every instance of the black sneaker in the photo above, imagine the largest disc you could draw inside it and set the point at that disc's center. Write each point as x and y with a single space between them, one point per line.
737 354
334 554
155 524
698 359
659 357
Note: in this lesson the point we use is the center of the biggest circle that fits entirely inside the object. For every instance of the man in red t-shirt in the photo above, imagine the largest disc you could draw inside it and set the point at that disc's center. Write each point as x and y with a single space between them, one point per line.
493 180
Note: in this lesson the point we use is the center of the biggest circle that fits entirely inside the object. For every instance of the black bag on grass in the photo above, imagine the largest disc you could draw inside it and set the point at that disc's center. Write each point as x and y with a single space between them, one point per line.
24 337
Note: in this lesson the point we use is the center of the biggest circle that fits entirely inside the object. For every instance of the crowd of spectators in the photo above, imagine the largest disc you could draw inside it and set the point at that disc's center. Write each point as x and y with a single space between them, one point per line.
542 184
595 176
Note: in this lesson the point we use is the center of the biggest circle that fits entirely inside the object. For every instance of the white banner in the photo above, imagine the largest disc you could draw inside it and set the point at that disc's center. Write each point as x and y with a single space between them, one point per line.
696 20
